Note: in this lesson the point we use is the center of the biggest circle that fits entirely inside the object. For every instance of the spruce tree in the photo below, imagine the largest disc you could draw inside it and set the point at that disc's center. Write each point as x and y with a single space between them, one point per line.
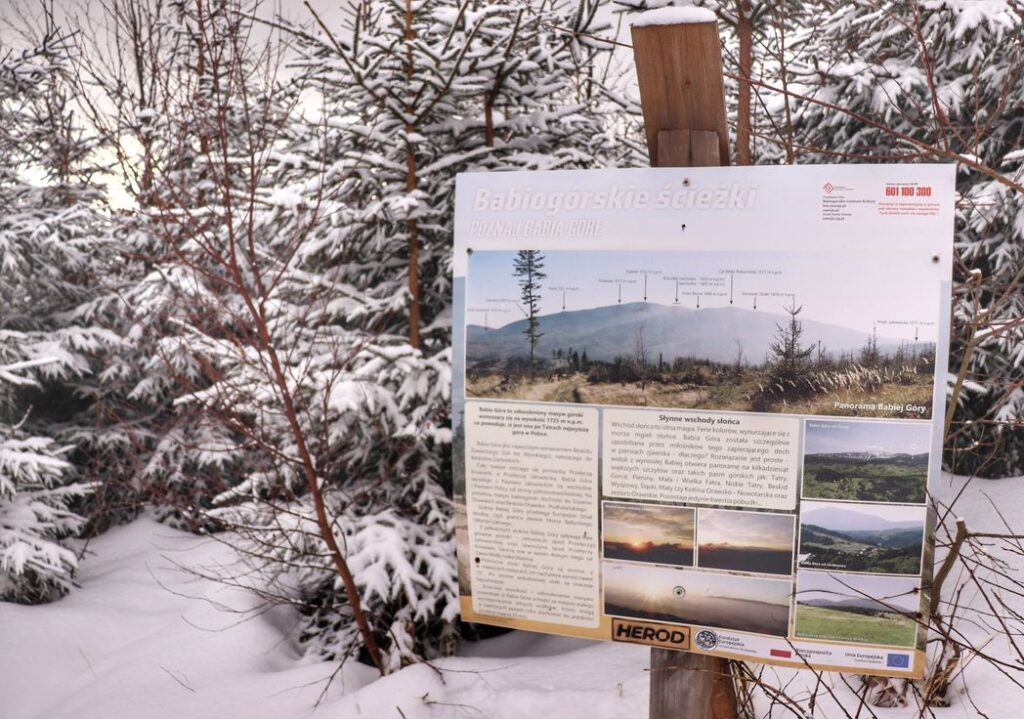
529 268
791 358
425 91
50 339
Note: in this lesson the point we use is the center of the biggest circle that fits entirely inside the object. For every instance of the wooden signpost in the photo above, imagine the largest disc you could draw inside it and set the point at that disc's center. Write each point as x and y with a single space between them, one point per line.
679 70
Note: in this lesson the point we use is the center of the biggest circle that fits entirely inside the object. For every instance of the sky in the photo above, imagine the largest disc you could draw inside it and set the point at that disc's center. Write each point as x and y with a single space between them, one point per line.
746 529
87 14
648 523
820 511
826 437
855 291
895 591
332 11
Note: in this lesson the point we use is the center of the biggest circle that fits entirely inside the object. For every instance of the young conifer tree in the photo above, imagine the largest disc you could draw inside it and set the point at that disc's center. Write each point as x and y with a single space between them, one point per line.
411 96
201 112
50 267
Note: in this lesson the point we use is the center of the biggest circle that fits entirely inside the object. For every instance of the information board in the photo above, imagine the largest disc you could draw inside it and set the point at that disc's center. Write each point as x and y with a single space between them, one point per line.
699 408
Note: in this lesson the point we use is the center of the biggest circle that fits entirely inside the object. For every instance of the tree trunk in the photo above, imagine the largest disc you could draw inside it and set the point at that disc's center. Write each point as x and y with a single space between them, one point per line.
745 30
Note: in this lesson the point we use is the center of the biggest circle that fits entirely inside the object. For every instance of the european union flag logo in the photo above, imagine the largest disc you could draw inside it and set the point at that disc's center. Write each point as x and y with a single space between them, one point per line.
898 661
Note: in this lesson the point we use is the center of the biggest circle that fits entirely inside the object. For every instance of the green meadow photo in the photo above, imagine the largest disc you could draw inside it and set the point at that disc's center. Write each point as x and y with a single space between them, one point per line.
857 608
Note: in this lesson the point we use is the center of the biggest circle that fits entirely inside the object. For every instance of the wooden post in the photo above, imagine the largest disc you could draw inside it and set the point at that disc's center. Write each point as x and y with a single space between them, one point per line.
679 70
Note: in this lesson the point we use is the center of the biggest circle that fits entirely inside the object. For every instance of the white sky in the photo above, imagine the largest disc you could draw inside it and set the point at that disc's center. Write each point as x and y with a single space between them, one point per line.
898 592
822 513
829 437
15 15
816 282
746 529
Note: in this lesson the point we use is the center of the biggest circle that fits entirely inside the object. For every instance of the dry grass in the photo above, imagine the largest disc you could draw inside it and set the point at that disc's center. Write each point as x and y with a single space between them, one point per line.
917 392
746 391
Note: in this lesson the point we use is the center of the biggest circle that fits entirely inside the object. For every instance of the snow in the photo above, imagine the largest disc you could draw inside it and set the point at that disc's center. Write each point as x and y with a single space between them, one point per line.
674 16
143 637
286 198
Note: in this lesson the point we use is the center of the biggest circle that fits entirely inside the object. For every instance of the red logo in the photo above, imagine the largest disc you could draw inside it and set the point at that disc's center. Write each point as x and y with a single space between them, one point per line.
785 653
828 187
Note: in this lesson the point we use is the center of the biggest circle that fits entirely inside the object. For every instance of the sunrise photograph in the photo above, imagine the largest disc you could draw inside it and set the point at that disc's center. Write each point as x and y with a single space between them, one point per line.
746 541
648 533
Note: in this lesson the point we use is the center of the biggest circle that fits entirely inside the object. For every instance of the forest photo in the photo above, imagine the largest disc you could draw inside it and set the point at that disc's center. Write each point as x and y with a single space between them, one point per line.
723 331
872 462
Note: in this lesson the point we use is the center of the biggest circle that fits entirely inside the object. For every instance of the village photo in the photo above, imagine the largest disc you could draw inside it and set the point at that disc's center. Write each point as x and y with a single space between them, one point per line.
648 533
710 330
857 608
861 537
866 461
745 541
685 596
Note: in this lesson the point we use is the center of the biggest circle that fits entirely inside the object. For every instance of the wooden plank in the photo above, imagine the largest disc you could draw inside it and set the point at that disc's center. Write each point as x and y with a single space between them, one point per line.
704 149
673 148
679 71
686 685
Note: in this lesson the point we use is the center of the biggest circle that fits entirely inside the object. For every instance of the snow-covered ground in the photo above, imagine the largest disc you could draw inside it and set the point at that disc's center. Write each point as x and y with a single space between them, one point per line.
143 638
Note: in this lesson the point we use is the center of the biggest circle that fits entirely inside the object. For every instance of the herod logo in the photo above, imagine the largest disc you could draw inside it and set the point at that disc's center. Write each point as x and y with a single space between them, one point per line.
725 196
828 187
659 635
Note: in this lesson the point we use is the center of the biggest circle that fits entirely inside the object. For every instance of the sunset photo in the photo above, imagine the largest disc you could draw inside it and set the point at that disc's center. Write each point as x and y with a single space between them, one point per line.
648 533
746 541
